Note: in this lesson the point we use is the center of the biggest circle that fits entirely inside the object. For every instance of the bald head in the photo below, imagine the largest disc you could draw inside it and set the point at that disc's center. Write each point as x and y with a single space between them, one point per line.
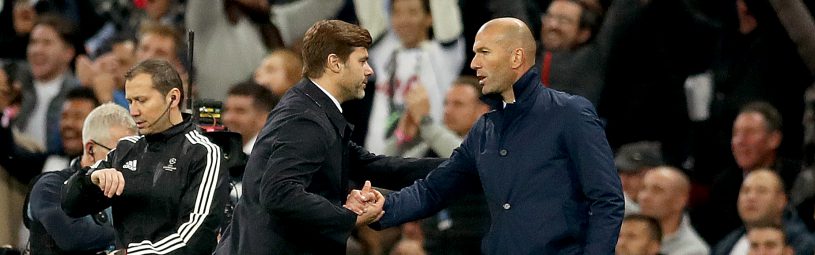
675 178
665 193
512 33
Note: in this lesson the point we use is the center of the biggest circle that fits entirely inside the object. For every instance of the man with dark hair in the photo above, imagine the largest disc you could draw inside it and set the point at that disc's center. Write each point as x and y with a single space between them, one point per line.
639 235
755 140
568 24
24 164
176 185
768 239
540 155
245 110
50 52
304 163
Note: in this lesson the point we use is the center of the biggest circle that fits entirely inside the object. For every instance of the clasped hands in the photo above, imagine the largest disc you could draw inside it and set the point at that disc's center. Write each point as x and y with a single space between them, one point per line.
367 203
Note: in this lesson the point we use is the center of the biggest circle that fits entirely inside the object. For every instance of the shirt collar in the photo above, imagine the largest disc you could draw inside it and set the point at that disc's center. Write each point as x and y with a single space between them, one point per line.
337 103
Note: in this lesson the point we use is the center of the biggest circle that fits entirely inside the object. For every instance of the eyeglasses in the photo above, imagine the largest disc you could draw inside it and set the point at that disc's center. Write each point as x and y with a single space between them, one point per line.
97 143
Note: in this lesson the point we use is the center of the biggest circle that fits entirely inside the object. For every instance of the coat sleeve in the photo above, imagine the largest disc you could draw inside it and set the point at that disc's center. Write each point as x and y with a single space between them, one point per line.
202 205
19 162
70 234
297 154
592 158
80 196
391 173
452 179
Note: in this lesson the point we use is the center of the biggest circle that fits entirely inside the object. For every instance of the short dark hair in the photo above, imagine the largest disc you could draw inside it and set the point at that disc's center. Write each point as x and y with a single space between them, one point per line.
263 97
591 15
163 31
82 93
64 27
330 37
770 225
163 75
771 115
471 81
654 229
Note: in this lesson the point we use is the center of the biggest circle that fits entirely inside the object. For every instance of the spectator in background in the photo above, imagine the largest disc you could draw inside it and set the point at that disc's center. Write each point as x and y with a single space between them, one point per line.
16 21
639 235
768 240
633 161
245 110
576 42
125 19
408 56
50 53
756 137
279 71
24 164
54 232
105 74
459 228
762 201
664 197
229 45
418 135
757 61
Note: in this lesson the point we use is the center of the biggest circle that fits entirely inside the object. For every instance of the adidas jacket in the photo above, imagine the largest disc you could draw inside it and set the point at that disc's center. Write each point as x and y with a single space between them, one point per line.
174 194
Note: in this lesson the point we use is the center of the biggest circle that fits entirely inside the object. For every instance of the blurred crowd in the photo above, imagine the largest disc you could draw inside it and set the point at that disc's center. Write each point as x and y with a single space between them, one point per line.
708 105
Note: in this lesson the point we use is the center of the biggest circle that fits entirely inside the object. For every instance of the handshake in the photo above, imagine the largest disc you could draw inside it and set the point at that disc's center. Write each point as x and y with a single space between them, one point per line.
366 203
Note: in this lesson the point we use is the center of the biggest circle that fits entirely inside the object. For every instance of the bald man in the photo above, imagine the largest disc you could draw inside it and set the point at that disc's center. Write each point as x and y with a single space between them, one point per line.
664 197
540 155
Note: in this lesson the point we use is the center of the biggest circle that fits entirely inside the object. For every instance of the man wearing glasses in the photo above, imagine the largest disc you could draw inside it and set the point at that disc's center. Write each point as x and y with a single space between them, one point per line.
52 230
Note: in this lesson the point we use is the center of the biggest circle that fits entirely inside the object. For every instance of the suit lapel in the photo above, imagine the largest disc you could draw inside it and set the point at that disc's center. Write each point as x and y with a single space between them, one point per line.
341 128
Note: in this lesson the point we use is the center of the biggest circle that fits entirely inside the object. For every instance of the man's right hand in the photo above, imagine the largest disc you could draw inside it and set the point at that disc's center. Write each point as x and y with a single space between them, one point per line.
109 180
373 212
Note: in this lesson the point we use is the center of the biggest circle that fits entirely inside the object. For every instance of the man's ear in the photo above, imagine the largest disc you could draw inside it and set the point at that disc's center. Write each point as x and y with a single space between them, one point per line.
517 57
333 63
175 97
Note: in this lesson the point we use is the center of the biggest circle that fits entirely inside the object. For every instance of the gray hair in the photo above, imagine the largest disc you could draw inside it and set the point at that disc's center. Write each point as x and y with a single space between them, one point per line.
99 122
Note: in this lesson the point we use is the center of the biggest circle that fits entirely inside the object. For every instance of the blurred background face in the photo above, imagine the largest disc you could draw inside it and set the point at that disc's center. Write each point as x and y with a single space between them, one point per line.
73 116
153 46
752 144
632 183
410 21
48 54
635 239
561 25
660 196
156 9
767 241
274 75
241 116
462 108
761 198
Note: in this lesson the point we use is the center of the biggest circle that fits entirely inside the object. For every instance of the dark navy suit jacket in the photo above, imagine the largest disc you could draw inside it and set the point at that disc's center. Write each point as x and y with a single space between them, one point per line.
547 172
298 177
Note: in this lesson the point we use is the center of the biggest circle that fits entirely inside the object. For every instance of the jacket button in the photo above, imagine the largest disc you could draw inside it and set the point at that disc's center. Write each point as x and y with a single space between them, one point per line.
507 206
503 152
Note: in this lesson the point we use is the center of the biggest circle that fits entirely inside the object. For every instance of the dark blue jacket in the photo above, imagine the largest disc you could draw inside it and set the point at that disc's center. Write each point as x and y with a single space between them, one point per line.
547 172
53 231
300 172
797 236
